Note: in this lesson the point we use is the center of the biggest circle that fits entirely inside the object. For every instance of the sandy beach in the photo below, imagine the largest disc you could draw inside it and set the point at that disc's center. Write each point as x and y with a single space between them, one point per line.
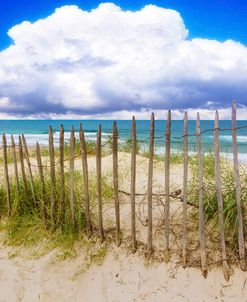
122 277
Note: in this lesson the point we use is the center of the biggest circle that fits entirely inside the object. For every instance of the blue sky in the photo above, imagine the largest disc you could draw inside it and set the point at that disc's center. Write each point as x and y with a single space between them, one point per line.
98 60
217 19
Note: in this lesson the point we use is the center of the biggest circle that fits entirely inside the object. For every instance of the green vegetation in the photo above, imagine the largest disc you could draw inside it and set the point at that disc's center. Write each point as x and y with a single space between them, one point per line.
210 196
27 227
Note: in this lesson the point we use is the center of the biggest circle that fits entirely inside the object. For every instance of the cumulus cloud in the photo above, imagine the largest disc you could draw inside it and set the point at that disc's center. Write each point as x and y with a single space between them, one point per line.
111 62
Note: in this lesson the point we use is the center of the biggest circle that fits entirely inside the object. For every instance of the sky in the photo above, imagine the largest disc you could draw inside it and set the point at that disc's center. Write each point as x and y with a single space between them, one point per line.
69 59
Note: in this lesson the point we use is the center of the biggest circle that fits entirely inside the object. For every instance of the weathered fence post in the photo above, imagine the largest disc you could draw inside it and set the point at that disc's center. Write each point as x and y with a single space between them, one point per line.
238 190
72 175
62 182
150 185
219 195
167 186
24 178
26 155
201 207
53 176
15 163
41 176
185 190
99 186
85 180
115 180
133 185
6 173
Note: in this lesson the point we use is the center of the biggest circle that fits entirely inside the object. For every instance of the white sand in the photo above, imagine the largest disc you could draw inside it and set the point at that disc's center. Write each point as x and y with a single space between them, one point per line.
121 278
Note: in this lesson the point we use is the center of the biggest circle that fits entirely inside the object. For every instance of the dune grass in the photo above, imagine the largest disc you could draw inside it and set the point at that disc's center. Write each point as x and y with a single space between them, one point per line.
27 227
210 195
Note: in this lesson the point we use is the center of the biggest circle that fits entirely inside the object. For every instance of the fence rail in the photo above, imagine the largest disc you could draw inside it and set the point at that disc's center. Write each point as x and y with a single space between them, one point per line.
53 209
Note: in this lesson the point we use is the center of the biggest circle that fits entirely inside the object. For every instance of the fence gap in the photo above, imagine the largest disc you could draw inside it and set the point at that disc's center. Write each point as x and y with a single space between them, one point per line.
99 184
62 181
150 185
26 155
24 178
133 185
201 207
115 180
13 147
185 190
85 180
42 180
53 177
238 190
167 186
72 175
6 173
218 185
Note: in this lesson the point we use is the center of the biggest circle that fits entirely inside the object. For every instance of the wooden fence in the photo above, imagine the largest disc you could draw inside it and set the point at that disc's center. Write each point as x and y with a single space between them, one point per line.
54 212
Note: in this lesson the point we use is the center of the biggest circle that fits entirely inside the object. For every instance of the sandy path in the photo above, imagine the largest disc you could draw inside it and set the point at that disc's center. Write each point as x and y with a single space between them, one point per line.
121 278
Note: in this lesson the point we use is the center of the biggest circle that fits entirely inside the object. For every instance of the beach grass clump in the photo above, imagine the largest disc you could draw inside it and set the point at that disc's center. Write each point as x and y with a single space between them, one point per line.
29 225
210 194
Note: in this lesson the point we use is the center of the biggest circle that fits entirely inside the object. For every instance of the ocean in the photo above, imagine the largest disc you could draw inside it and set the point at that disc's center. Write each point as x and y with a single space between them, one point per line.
37 130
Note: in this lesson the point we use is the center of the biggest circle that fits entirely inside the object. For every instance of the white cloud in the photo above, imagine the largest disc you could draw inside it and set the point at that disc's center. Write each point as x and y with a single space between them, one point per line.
110 62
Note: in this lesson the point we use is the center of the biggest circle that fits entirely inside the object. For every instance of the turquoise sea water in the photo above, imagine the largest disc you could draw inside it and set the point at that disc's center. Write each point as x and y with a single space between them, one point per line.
37 130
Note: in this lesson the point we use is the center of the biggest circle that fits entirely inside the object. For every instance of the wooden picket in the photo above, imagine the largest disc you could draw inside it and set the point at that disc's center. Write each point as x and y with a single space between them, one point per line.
99 184
150 187
6 173
185 190
133 185
53 206
167 185
201 208
85 180
238 191
62 180
115 180
217 170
